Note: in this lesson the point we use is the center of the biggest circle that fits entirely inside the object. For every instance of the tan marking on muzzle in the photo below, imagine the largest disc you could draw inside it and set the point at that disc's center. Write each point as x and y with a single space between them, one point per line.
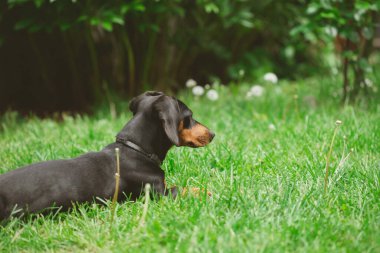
197 136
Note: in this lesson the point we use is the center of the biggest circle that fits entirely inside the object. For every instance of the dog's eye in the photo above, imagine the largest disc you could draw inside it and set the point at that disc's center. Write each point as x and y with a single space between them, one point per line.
187 122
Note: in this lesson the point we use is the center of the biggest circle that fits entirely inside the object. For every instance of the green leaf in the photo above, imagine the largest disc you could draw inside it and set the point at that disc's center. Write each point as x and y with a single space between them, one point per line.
211 8
363 5
247 23
367 33
328 15
353 36
107 26
364 65
140 8
179 11
13 3
311 36
124 9
312 8
82 18
22 24
349 55
35 28
299 30
38 3
246 14
376 6
64 26
118 20
94 21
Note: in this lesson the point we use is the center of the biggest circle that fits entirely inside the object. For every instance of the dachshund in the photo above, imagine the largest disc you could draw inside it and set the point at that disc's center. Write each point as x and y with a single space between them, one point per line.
158 123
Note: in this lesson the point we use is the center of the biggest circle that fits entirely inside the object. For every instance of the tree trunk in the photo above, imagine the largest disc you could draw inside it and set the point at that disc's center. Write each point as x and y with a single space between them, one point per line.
346 82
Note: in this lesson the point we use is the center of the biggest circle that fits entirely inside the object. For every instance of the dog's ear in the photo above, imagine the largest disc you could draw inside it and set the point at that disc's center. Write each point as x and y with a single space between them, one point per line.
133 104
168 113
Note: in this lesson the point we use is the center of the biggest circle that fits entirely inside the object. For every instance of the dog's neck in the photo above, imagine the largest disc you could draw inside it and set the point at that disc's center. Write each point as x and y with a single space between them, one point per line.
147 133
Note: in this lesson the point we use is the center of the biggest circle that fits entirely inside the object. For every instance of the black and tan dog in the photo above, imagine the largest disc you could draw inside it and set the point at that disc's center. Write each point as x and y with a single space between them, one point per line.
158 123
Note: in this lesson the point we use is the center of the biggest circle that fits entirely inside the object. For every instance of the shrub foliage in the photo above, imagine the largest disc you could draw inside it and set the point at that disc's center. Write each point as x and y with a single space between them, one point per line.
66 55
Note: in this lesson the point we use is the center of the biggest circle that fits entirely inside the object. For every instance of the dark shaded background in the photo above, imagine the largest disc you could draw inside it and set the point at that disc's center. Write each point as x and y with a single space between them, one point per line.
68 56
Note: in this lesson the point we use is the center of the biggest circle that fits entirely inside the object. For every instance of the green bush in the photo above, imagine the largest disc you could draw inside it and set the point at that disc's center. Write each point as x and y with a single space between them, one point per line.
52 52
351 26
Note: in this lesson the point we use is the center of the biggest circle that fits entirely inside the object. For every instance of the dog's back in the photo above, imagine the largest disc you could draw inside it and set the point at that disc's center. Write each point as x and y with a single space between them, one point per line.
55 183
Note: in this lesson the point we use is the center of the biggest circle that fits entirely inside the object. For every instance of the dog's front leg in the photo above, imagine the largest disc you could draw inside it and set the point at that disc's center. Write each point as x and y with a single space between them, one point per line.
160 189
173 191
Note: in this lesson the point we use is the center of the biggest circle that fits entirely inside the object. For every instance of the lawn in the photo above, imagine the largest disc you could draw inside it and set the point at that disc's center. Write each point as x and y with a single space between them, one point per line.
265 168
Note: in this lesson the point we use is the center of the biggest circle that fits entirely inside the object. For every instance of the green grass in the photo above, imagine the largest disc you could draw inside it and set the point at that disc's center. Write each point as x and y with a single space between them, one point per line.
267 184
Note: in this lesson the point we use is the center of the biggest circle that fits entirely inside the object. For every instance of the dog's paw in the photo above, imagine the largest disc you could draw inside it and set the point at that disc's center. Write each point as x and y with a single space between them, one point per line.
194 192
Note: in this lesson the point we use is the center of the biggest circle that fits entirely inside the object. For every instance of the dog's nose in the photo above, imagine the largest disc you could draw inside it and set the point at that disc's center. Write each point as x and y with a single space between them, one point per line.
212 135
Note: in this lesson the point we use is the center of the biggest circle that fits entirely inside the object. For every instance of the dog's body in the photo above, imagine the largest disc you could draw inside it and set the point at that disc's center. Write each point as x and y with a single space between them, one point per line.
159 122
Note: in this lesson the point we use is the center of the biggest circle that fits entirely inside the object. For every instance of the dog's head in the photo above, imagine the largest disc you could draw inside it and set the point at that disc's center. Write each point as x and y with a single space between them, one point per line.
175 117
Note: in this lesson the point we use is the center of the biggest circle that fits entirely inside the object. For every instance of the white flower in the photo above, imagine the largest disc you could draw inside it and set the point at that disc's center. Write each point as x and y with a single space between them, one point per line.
207 86
198 90
191 83
255 91
212 95
272 127
271 77
368 82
